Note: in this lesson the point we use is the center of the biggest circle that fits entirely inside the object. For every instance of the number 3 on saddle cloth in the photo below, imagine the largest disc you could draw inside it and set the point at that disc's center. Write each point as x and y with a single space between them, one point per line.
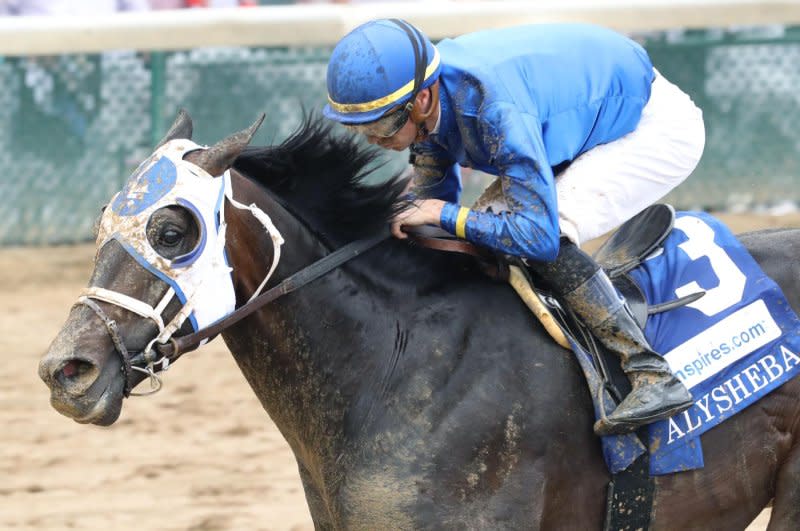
730 347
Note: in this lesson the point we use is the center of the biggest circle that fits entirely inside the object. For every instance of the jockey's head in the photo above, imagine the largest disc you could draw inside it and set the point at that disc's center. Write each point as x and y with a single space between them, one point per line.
377 76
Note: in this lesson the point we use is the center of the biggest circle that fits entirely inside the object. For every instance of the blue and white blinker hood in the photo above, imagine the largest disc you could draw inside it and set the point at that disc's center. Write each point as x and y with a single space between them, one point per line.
201 278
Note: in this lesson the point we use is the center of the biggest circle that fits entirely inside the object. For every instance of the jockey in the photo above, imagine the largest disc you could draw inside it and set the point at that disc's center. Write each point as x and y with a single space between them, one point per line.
582 132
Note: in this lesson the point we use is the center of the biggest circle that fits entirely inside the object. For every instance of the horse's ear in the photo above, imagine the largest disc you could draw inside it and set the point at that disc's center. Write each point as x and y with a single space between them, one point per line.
181 128
219 157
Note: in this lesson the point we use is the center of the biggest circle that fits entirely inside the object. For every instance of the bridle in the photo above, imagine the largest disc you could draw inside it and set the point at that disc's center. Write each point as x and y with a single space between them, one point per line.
159 355
200 279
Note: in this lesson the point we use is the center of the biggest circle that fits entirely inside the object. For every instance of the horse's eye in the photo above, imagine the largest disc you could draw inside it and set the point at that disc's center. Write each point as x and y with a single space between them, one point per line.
170 238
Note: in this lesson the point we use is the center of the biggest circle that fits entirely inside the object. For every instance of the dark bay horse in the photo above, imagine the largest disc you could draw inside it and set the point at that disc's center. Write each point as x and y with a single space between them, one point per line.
415 392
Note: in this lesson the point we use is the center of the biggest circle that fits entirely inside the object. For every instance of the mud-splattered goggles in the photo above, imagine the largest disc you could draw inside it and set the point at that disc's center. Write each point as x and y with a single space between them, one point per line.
384 127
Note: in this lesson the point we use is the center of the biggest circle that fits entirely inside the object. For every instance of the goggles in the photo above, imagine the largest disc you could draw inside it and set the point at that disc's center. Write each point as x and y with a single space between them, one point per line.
384 127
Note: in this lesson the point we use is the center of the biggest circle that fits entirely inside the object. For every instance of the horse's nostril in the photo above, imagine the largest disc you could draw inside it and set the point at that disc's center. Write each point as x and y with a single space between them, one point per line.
75 370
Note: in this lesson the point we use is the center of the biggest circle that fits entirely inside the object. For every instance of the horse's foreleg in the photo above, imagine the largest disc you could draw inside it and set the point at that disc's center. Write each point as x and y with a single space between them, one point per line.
319 510
786 507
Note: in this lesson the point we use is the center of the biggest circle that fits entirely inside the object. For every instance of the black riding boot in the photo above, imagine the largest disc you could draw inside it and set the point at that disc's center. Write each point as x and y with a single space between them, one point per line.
656 394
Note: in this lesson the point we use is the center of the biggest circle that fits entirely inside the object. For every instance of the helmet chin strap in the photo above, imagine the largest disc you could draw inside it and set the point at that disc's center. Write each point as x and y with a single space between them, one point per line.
418 118
420 65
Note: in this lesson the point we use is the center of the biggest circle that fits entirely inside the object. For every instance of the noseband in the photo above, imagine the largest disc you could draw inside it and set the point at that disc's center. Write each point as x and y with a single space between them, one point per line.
144 362
116 338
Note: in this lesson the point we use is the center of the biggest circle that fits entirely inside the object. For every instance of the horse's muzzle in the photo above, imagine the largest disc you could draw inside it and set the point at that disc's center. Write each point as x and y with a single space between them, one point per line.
82 389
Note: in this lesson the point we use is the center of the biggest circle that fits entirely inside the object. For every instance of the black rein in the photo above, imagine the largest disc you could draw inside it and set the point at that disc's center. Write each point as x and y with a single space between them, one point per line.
176 347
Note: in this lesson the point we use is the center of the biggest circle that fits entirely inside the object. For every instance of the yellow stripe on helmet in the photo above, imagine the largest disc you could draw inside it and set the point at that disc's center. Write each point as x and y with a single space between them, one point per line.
386 100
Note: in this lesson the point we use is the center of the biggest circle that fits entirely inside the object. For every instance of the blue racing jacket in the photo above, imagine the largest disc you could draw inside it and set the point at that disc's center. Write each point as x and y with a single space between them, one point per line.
515 103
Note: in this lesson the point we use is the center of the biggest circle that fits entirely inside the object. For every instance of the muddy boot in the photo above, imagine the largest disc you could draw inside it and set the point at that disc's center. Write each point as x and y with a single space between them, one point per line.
656 394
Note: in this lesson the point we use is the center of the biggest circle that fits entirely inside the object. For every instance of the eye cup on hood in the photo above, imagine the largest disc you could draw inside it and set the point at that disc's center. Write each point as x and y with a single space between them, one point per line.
188 258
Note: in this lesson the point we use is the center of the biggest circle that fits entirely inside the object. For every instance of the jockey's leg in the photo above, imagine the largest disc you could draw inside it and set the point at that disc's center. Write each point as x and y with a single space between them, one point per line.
600 190
656 393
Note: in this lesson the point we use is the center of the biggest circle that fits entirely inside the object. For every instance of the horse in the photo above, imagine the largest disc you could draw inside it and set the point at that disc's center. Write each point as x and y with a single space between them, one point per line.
414 391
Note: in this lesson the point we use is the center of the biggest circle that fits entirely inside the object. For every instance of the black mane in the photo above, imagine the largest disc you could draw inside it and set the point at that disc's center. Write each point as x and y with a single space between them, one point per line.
322 177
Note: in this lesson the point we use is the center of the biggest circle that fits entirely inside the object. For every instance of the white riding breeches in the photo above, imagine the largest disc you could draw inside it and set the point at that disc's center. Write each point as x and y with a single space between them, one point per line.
613 182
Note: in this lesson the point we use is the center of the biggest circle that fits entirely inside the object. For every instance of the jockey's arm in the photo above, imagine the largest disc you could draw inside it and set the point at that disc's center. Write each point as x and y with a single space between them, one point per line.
530 227
435 179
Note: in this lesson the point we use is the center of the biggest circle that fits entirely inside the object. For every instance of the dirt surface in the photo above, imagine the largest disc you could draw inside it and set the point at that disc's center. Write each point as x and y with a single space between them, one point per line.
200 455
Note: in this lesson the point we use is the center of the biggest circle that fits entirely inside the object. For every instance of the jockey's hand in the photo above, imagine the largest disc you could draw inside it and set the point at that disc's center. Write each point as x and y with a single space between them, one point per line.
418 212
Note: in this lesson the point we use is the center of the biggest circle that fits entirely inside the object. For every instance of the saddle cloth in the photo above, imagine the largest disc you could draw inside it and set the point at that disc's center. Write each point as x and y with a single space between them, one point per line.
731 347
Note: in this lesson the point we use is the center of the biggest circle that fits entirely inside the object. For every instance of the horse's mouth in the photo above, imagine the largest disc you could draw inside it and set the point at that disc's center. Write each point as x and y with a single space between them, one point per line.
103 411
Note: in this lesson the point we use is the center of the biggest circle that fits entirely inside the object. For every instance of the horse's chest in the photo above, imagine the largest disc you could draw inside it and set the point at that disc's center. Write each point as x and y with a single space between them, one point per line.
379 496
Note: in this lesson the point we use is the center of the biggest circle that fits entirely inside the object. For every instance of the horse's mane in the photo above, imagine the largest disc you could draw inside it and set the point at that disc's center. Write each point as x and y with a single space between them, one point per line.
322 178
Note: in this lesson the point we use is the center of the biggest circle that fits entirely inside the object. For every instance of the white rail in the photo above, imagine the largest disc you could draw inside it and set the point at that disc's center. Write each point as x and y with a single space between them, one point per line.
325 24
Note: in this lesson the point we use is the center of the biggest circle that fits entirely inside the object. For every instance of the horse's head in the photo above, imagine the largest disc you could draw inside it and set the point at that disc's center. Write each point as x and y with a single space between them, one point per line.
160 270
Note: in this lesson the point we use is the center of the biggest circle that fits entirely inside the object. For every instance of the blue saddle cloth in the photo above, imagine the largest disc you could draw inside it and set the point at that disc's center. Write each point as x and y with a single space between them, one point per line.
731 347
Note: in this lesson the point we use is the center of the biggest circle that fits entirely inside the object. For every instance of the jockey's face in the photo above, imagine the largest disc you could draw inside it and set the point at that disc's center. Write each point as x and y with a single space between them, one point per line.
400 140
385 126
395 130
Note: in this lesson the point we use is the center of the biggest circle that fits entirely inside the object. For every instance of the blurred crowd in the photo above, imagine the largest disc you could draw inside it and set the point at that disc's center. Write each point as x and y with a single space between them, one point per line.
89 7
86 7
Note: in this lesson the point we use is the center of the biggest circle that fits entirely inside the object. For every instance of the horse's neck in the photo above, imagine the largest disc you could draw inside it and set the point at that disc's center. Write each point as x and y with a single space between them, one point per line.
304 354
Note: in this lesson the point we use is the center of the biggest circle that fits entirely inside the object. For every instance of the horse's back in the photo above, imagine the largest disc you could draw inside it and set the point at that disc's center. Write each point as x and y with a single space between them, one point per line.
777 251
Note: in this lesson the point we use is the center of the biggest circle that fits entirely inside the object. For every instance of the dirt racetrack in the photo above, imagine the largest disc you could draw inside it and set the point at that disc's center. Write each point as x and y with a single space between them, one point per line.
199 455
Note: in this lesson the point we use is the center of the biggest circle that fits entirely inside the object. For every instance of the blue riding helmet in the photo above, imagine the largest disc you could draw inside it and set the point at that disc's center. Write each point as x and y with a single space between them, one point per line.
373 68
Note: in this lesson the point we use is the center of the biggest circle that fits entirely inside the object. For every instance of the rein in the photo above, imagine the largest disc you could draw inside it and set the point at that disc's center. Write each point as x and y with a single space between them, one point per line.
167 353
179 346
491 263
164 353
